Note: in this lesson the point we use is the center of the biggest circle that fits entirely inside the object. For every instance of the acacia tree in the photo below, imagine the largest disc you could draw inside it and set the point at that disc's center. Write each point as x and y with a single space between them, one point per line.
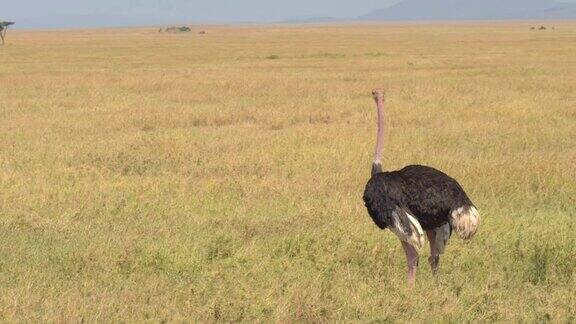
4 28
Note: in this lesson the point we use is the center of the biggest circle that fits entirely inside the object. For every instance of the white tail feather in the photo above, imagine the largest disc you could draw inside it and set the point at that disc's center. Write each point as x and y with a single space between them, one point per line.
465 221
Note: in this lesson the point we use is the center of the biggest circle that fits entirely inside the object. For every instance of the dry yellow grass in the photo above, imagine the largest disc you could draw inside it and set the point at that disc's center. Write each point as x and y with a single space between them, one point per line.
218 177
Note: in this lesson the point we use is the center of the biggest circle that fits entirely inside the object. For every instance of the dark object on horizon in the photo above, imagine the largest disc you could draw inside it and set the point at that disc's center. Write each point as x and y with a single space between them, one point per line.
532 28
202 32
182 29
4 28
417 202
542 28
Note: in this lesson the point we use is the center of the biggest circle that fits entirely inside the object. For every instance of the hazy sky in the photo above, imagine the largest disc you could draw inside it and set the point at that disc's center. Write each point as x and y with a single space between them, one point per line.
89 13
193 10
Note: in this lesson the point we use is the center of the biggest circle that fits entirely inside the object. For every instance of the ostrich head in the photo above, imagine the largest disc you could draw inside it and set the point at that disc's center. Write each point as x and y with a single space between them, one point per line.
378 95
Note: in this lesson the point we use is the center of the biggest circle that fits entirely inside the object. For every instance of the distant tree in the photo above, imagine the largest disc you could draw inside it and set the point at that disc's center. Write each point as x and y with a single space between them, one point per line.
173 29
4 28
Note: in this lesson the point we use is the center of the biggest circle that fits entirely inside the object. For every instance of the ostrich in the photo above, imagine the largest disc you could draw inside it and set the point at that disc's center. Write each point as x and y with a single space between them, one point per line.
417 201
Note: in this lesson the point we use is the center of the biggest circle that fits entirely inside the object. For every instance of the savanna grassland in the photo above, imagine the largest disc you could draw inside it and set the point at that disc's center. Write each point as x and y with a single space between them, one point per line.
219 177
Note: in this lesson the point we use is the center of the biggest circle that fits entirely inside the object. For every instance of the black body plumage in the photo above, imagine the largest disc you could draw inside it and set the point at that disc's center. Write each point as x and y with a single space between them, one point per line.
424 192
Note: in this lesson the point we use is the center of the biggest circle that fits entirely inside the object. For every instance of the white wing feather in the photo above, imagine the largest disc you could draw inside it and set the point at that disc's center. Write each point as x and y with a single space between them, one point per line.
416 238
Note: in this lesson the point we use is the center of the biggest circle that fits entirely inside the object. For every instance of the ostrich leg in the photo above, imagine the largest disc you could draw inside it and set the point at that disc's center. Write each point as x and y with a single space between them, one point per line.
434 258
412 260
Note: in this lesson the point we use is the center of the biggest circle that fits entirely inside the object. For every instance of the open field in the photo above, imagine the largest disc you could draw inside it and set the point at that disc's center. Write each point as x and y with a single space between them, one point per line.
219 177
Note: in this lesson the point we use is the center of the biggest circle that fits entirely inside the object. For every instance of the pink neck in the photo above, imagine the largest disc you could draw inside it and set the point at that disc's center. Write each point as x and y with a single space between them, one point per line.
377 164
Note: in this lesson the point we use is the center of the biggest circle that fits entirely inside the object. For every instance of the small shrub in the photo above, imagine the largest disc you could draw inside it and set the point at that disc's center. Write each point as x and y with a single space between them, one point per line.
273 57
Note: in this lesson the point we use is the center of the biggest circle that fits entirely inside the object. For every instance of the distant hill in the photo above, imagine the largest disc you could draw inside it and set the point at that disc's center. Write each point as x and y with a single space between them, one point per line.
473 10
315 20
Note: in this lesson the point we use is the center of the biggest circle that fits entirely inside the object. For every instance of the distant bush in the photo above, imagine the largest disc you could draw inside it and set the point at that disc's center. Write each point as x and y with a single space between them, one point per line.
182 29
273 57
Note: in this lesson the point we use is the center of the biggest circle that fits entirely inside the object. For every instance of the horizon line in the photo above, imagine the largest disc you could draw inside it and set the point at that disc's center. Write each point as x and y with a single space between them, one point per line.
293 23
